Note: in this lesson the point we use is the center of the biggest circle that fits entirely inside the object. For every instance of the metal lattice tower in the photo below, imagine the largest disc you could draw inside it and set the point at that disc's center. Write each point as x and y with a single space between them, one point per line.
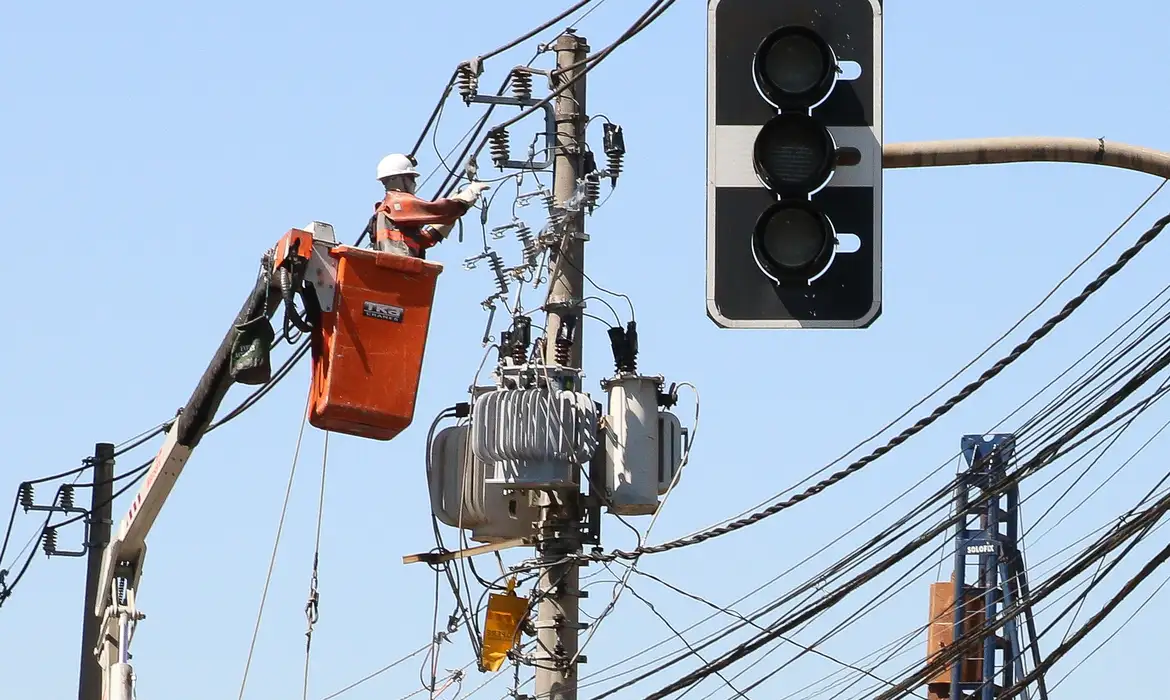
987 540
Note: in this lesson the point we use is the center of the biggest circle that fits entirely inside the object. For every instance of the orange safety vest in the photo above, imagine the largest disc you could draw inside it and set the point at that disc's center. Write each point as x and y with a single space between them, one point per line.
405 221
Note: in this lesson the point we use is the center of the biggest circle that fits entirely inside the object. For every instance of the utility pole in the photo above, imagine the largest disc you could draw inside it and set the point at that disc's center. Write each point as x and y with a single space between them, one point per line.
557 623
101 518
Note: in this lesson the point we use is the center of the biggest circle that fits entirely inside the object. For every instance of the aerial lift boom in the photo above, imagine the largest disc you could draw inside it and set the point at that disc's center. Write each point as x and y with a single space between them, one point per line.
310 263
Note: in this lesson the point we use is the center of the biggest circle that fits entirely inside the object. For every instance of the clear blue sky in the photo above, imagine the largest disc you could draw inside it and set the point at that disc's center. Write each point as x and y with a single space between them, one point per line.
149 153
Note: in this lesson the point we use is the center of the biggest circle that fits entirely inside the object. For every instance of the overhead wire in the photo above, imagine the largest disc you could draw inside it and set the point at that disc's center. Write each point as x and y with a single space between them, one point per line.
657 8
653 13
275 547
1035 569
1032 465
920 425
1129 217
483 57
1103 546
312 606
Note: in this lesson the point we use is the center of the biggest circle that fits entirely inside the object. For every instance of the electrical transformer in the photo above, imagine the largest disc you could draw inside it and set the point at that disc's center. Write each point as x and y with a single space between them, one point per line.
643 445
461 497
533 433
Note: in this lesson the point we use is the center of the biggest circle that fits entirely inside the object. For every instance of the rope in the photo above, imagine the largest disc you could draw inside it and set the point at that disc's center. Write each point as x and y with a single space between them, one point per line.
275 546
312 613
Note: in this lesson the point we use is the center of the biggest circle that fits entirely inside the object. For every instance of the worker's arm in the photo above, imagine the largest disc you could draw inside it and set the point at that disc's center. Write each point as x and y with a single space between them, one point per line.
407 210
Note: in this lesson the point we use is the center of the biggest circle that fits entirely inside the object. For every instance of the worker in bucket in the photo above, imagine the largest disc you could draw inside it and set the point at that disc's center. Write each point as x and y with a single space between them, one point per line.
407 224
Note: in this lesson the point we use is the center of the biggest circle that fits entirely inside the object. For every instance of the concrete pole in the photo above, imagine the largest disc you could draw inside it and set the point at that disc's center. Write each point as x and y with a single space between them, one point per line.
101 518
557 623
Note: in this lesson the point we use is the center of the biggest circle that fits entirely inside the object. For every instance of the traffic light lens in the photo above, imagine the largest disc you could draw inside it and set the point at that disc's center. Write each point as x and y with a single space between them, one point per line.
794 154
795 64
795 68
793 242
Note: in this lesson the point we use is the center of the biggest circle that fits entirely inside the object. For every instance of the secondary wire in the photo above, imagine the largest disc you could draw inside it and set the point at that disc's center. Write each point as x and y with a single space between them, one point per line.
275 546
1050 408
1139 208
921 425
1030 467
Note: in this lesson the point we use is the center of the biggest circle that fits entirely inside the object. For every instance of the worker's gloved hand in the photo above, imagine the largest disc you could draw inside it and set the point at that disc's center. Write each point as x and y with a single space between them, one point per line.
470 194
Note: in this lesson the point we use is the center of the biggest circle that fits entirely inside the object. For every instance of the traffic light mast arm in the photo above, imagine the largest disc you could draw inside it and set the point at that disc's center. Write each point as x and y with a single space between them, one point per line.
1026 149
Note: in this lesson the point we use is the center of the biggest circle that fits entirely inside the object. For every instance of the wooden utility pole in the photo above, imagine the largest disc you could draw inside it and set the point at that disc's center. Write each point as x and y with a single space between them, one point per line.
558 621
101 518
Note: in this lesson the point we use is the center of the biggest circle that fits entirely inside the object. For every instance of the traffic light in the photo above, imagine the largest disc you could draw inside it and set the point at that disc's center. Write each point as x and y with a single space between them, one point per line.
794 166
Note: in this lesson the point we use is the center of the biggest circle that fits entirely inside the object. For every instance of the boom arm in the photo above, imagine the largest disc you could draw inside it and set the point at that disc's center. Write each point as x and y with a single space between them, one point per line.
123 558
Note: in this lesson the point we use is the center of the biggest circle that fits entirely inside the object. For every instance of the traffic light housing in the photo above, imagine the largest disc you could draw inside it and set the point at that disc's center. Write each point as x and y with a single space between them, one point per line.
794 173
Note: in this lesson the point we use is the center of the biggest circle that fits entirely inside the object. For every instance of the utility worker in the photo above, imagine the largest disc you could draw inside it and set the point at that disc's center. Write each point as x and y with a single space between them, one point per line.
407 224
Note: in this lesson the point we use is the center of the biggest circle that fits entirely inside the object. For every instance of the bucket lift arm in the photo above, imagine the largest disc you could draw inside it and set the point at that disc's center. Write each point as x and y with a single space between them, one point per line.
300 254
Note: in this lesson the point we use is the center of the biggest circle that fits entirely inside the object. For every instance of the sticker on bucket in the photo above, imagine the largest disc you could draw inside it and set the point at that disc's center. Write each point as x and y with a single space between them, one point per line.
382 311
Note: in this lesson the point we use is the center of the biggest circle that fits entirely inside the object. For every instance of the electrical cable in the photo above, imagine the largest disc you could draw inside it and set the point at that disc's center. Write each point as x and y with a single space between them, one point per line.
1101 548
922 424
1030 467
1140 207
579 20
275 546
739 616
673 630
683 461
1112 635
375 674
645 20
312 606
1054 555
139 472
533 32
761 587
1044 590
431 121
867 606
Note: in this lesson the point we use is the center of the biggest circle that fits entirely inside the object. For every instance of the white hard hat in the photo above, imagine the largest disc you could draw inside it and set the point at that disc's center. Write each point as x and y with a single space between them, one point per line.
395 164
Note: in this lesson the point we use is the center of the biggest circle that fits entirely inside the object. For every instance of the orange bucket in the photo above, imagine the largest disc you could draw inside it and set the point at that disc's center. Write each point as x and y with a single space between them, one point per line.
368 351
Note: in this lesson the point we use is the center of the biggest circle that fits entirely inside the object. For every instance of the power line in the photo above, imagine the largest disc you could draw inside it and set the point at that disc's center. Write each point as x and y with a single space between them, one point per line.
1043 457
1048 410
918 427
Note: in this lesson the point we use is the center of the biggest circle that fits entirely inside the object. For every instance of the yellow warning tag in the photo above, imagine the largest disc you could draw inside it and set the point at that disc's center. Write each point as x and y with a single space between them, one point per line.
505 614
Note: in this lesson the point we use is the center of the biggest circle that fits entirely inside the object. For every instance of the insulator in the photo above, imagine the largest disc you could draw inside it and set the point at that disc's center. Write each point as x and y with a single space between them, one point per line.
556 215
522 85
564 352
563 345
614 165
49 540
498 139
519 354
624 343
519 339
592 191
615 150
26 495
66 500
497 266
531 251
468 83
